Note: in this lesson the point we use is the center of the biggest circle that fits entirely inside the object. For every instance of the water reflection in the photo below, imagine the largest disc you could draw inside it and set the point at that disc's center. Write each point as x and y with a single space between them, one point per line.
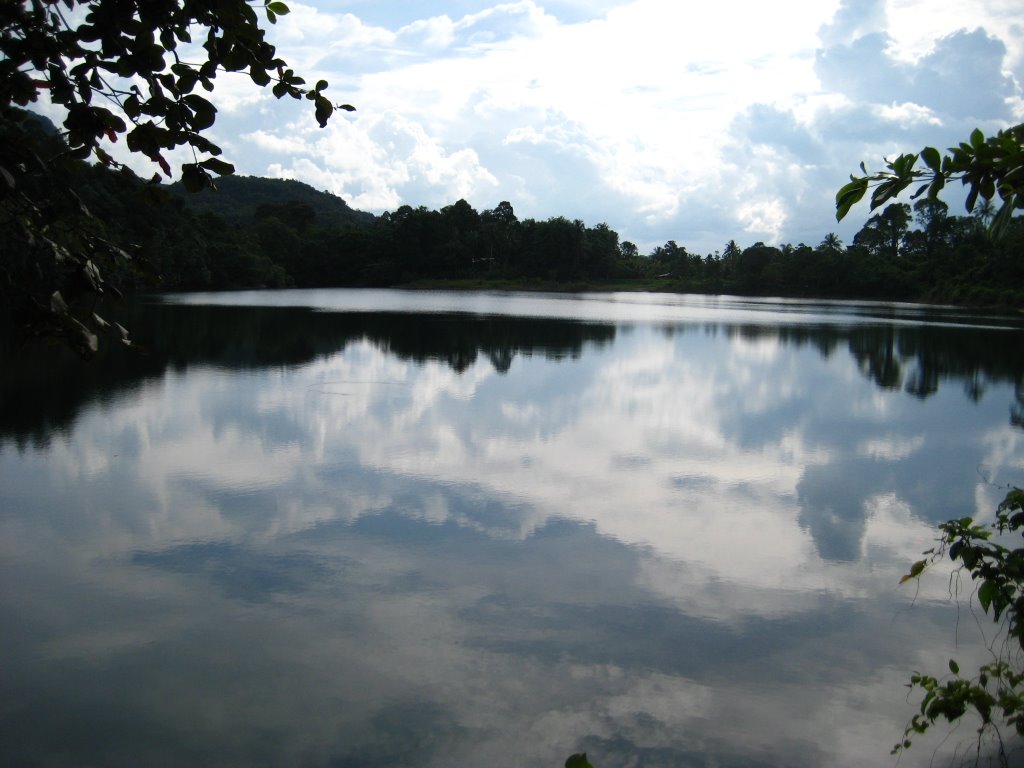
37 399
299 537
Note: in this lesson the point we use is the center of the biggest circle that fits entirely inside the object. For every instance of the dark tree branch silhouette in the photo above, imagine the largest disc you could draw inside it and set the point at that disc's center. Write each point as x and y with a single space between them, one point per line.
133 70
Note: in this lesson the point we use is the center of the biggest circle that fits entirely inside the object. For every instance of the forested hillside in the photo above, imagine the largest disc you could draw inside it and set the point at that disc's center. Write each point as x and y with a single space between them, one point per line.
254 232
240 199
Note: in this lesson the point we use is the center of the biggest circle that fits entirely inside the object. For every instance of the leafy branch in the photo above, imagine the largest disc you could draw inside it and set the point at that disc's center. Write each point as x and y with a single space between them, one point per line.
114 67
991 167
995 694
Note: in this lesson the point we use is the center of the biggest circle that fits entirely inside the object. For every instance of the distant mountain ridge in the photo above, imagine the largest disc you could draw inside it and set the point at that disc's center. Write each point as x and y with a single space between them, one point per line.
238 199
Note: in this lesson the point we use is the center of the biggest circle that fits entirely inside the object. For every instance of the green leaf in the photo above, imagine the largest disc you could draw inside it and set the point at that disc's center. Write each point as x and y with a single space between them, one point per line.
977 139
932 159
972 198
915 571
954 551
970 557
954 667
936 187
277 7
986 592
849 195
884 192
904 164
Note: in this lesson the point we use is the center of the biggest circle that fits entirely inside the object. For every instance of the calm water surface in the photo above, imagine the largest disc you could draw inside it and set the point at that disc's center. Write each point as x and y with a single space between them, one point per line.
381 528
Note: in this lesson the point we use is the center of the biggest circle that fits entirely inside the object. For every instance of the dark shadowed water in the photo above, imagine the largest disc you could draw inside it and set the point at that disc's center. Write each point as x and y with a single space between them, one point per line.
381 528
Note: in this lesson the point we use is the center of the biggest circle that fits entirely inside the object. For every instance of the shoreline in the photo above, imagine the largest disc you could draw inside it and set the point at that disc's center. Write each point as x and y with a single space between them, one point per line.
671 286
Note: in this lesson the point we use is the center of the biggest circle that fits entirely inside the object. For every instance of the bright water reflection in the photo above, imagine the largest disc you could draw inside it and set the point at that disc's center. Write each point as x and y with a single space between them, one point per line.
670 534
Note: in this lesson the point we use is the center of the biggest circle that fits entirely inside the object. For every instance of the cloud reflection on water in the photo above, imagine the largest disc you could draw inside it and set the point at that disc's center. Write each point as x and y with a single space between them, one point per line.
675 544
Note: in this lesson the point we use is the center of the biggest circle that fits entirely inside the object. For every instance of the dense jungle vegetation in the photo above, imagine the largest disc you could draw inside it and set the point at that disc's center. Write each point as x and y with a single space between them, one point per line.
255 232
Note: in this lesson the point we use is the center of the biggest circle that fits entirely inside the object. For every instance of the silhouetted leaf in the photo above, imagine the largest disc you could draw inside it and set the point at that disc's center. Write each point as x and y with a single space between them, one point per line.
219 167
578 761
932 159
986 592
324 109
194 178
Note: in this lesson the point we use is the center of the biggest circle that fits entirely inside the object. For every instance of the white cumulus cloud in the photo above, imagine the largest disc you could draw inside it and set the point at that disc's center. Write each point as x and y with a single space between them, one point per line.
666 122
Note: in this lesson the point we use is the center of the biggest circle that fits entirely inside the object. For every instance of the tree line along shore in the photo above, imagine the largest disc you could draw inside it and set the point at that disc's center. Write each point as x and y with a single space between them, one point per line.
273 233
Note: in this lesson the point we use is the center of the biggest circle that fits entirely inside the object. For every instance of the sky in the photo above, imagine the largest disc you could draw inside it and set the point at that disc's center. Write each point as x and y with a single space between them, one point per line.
699 123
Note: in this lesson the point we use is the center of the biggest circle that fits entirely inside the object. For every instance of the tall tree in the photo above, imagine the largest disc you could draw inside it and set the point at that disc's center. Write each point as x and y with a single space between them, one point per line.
499 225
601 250
883 233
935 228
831 243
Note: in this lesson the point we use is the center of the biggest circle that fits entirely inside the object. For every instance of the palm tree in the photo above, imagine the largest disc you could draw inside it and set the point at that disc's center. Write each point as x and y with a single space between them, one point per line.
831 243
985 211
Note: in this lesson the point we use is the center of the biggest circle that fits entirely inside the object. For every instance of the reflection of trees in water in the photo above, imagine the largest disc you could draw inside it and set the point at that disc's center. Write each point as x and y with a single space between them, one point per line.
914 358
876 355
42 389
1017 408
920 358
824 338
917 360
834 497
458 340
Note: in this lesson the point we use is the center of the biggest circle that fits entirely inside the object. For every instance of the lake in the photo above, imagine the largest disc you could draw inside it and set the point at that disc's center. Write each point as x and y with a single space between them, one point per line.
383 528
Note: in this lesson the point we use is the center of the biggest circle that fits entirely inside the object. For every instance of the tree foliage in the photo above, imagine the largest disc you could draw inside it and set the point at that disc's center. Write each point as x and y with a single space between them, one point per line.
254 232
106 58
136 70
991 168
995 694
